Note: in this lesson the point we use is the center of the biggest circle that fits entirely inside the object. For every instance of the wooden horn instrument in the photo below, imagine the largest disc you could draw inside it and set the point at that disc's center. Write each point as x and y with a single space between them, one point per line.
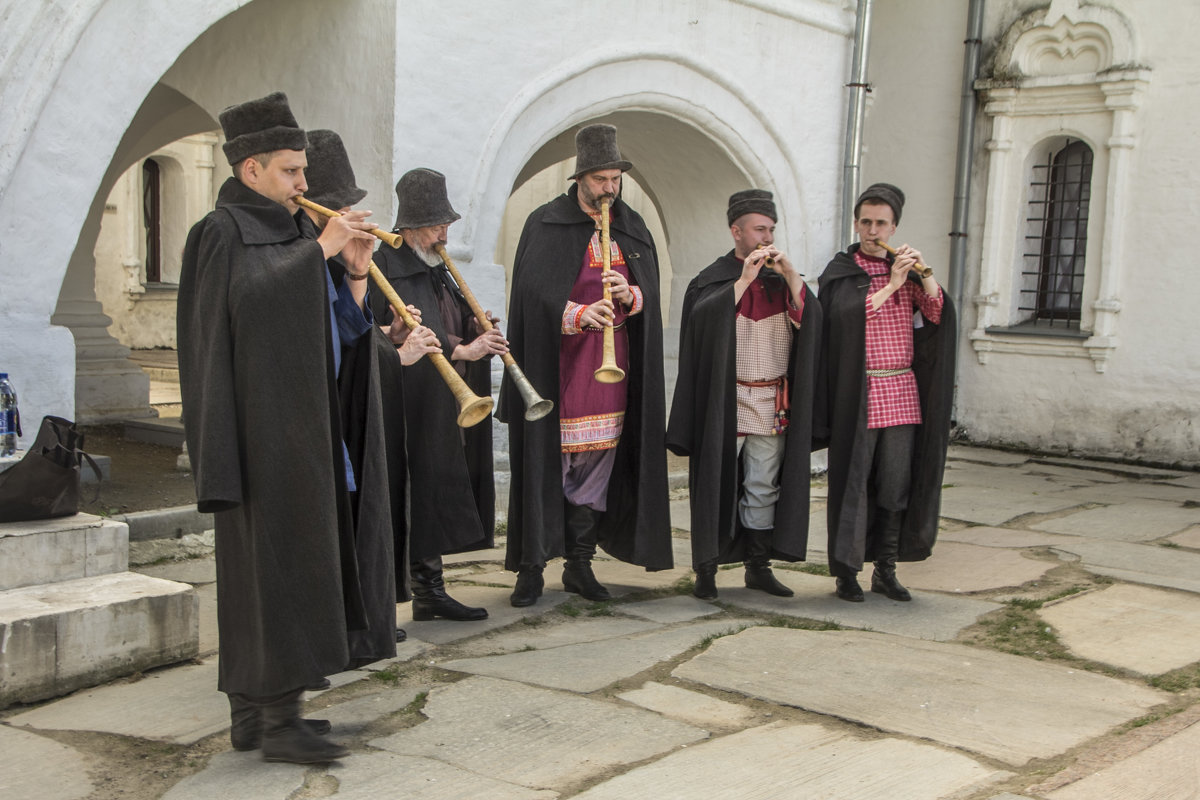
608 372
472 409
536 406
921 269
394 239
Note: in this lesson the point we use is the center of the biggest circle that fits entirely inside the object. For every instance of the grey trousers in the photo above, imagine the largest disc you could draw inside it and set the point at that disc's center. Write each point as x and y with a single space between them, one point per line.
762 457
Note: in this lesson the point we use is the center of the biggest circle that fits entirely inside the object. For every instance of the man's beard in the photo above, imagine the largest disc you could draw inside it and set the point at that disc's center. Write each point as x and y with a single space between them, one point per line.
594 200
430 258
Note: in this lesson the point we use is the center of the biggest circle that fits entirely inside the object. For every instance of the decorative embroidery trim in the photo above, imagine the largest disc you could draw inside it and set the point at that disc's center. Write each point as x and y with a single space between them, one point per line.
593 432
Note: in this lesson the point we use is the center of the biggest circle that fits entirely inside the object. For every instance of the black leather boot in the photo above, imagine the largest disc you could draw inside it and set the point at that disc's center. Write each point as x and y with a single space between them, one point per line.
286 738
529 586
429 595
758 563
706 581
887 547
848 589
580 544
245 724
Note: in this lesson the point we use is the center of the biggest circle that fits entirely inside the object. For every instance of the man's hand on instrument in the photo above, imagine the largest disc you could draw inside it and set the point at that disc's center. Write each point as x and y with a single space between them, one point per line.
904 263
488 343
398 331
906 251
419 342
618 286
339 231
599 314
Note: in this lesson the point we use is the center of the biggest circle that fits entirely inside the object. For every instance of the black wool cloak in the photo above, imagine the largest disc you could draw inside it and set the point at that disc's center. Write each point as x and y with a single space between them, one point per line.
636 528
703 422
376 532
452 496
840 416
262 425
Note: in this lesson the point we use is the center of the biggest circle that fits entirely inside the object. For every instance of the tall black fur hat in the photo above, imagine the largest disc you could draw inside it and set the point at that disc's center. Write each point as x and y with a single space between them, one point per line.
751 201
596 148
329 174
423 200
260 126
882 193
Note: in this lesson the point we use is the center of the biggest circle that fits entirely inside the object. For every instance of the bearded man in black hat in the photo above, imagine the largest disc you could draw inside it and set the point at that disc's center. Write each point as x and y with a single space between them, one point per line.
451 492
884 400
597 474
369 387
743 402
260 337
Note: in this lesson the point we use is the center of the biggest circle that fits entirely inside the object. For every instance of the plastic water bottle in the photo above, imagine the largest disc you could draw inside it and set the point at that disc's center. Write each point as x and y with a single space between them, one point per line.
8 416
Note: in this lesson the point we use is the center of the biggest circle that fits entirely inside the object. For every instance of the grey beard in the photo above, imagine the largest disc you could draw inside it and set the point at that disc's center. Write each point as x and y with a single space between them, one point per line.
430 258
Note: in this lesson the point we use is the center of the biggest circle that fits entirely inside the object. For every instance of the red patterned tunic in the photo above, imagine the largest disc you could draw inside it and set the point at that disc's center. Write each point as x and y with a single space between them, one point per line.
766 316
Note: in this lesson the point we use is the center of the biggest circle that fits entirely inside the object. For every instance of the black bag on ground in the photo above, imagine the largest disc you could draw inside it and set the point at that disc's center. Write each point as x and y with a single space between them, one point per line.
45 483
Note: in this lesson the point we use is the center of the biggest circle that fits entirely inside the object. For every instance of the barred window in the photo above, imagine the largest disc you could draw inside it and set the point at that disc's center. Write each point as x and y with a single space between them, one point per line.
152 218
1056 236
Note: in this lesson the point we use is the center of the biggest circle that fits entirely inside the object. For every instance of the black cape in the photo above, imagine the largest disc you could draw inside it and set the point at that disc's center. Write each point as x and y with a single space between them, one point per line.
840 416
452 495
636 528
703 422
263 432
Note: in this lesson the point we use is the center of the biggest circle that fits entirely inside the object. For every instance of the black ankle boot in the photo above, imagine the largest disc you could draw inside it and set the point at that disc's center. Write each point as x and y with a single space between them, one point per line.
758 563
286 738
706 581
883 581
429 595
848 589
529 587
245 724
579 540
887 547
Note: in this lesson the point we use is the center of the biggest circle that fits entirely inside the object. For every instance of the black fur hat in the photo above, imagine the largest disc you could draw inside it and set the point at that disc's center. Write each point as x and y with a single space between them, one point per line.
882 193
260 126
596 148
329 174
423 200
751 201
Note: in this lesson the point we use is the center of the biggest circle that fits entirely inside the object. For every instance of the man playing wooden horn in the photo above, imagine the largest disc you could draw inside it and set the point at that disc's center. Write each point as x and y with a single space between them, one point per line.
884 400
257 366
743 402
596 474
452 495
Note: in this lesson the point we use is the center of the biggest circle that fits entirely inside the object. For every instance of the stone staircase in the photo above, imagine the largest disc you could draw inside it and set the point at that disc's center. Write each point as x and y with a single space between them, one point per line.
73 616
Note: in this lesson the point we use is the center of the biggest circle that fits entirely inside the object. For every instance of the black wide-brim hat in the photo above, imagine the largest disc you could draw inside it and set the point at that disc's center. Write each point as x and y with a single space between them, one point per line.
596 149
423 201
329 175
260 126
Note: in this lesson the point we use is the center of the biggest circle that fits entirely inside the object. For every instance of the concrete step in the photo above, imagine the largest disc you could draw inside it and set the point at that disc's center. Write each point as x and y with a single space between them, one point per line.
167 432
64 636
49 551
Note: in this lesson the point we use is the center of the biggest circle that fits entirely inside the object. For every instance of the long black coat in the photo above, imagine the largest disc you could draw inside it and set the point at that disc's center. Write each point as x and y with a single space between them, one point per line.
840 416
262 423
452 495
636 528
703 422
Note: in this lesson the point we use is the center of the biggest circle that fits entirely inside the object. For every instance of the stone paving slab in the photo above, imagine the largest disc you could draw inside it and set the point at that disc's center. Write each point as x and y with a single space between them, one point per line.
957 568
1125 522
1188 538
1165 771
1006 480
137 708
236 775
688 706
1140 628
33 766
495 600
681 608
1139 563
385 775
681 514
194 570
989 506
985 455
1006 707
1129 470
534 737
590 666
352 716
207 634
1016 538
1072 475
1135 491
544 636
928 616
1191 480
801 761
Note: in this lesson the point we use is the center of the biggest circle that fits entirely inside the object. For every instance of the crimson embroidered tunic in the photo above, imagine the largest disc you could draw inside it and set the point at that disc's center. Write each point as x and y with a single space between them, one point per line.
766 316
591 413
893 399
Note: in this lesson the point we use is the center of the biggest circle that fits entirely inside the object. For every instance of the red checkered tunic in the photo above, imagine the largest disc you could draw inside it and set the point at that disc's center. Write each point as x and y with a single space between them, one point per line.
893 400
764 325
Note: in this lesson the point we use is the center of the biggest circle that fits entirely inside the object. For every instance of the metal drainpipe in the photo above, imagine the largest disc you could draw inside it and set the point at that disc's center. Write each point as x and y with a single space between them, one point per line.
854 120
966 144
